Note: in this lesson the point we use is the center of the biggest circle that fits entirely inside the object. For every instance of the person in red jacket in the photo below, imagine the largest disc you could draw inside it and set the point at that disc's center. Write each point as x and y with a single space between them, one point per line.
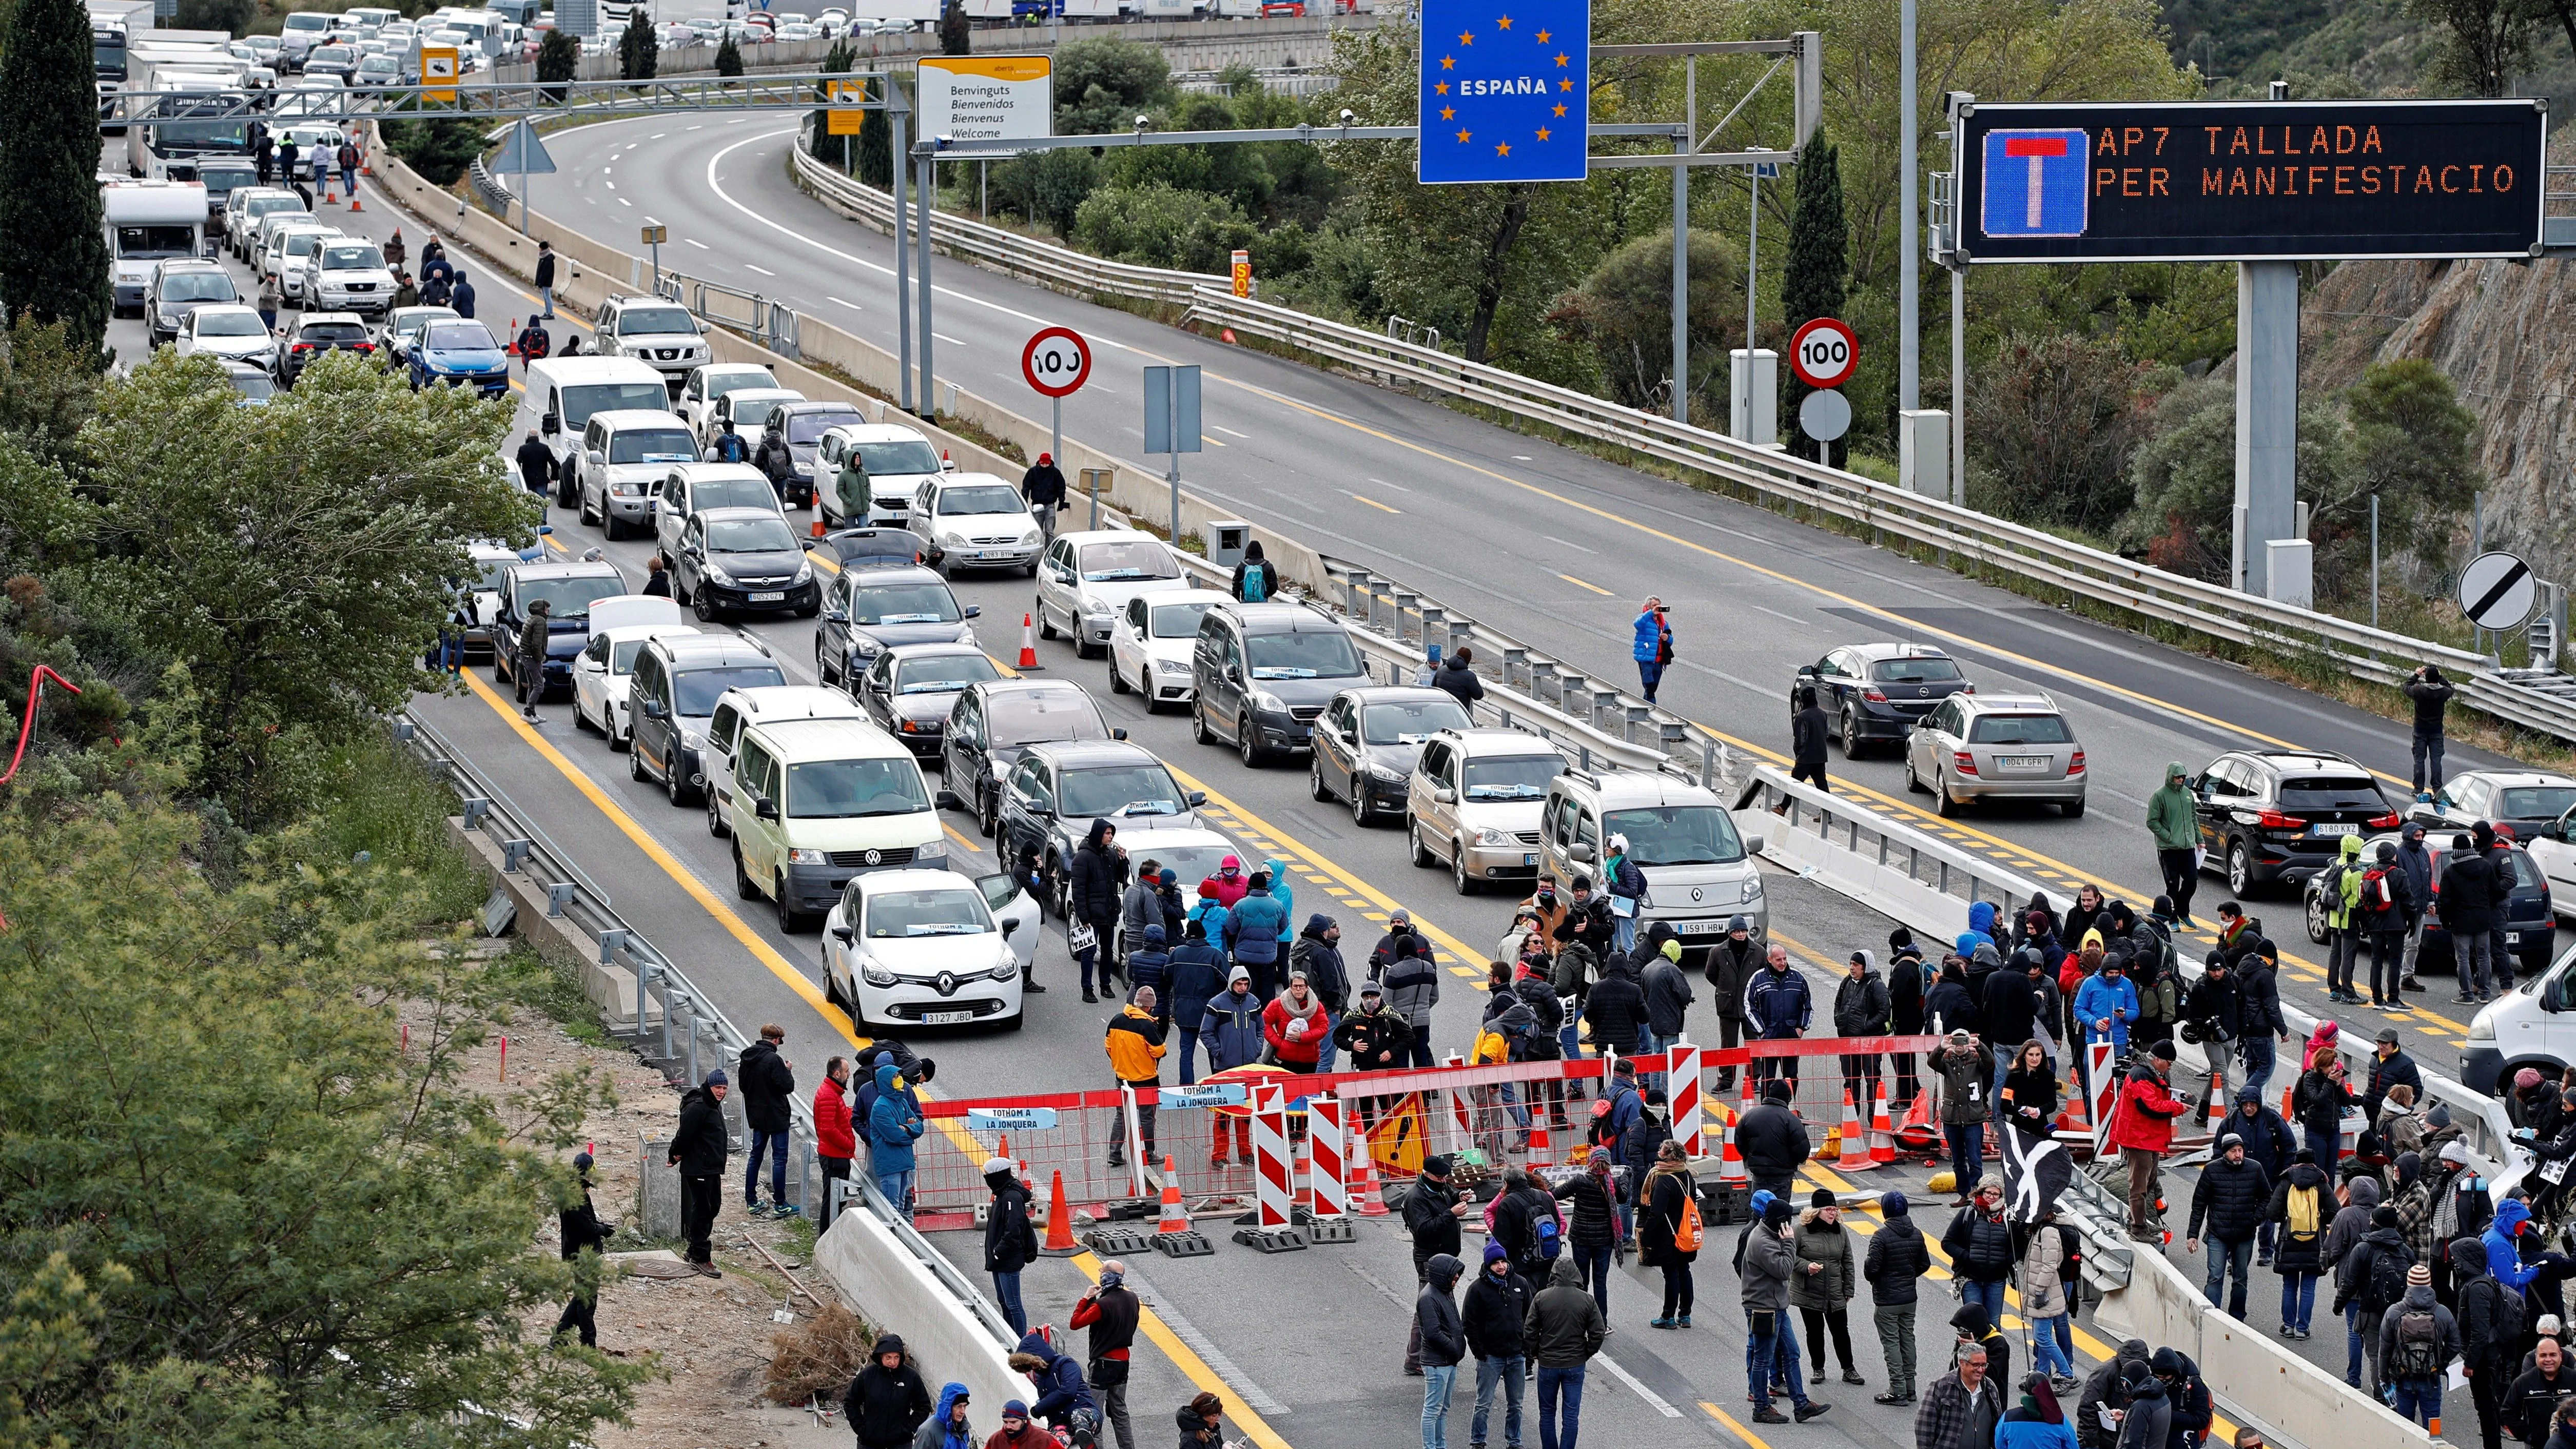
1296 1025
2142 1128
835 1142
1230 882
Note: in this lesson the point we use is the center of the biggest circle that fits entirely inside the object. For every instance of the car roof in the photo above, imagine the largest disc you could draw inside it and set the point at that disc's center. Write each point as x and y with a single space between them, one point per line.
638 418
755 394
711 369
624 632
879 433
1030 686
905 574
1492 741
956 478
1079 753
566 569
732 511
1618 789
310 318
812 404
1890 649
834 734
793 701
902 652
2514 777
712 648
1106 535
187 264
217 309
718 472
1393 693
2007 703
913 878
1283 619
2304 760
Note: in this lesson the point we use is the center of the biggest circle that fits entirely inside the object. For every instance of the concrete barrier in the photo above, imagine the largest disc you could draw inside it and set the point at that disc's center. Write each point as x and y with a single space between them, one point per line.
886 1284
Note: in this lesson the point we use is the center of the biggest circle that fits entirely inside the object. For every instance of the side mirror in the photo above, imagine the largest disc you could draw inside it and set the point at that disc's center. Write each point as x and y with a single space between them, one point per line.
1806 671
1753 845
974 611
1118 734
1446 796
836 616
765 808
595 458
1009 925
844 935
1197 798
947 464
951 800
1582 852
653 710
550 424
543 529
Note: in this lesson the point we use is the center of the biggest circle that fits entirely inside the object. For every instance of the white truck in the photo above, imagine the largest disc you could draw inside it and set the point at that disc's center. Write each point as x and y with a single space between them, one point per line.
162 129
147 222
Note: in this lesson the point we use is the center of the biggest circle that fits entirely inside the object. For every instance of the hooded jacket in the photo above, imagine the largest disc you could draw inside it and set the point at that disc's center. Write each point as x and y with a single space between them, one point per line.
1730 969
1950 1005
2489 1315
1459 678
2173 814
2466 903
2232 1198
1829 1246
1195 1433
1668 994
2415 860
1444 1334
1097 877
2149 1424
893 1125
1010 1239
936 1432
1134 1042
1231 1031
1616 1007
2103 1388
2504 1258
883 1409
701 1141
2351 1224
1777 1004
1861 1004
2289 1254
2143 1117
1196 974
1772 1141
1056 1376
1564 1327
2105 997
2418 1300
1495 1307
1897 1256
835 1135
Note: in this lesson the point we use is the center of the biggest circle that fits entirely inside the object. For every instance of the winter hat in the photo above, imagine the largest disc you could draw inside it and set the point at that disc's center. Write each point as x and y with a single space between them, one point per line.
2163 909
1761 1199
2162 1051
1776 1090
1170 877
1154 936
2526 1079
1597 1157
1238 974
2249 1093
715 1078
1495 1252
2387 1034
2383 1216
2419 1274
1137 996
997 1164
2307 1155
2439 1117
1822 1197
1861 960
581 1162
1207 890
1971 1320
2228 1141
1435 1166
1261 880
1897 940
1673 949
2165 1363
1318 923
1777 1214
2456 1153
1014 1409
1893 1204
1372 992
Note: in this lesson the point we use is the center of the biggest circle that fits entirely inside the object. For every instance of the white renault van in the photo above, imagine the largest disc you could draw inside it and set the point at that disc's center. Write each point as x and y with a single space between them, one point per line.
818 801
2533 1025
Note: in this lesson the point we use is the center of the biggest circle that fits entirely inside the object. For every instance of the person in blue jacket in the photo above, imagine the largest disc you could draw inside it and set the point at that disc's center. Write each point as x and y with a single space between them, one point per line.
2106 1004
1198 972
1062 1393
1981 930
1653 646
1778 1007
2504 1255
1253 930
894 1124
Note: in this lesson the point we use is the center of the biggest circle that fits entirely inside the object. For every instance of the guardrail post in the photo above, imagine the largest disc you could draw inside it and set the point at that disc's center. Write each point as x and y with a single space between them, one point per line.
1515 661
644 967
1433 624
1573 697
1405 602
1542 674
609 942
1356 599
476 807
513 852
559 895
674 1001
1708 764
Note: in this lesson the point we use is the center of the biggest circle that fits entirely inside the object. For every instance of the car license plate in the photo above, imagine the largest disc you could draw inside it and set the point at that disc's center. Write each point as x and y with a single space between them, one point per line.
774 596
1711 927
2023 762
946 1018
2347 828
1531 859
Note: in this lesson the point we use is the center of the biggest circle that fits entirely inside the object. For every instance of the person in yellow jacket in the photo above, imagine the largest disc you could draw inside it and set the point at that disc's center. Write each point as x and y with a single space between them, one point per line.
1135 1047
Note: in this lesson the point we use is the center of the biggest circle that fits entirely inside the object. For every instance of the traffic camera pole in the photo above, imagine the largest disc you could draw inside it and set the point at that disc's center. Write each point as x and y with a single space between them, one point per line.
926 202
898 110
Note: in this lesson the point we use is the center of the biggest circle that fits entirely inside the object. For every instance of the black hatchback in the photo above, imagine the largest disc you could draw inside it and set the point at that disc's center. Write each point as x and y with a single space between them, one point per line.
1876 692
743 560
318 333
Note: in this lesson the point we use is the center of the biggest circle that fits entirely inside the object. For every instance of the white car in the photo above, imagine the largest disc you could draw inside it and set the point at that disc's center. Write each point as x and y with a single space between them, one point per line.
1151 641
402 327
748 409
698 395
291 255
600 675
921 948
230 333
897 459
276 233
1087 579
662 335
975 521
348 274
736 708
244 206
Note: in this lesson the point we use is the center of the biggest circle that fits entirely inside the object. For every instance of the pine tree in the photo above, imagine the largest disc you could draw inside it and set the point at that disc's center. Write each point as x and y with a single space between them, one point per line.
558 59
53 250
876 150
1813 282
956 32
728 58
825 143
639 50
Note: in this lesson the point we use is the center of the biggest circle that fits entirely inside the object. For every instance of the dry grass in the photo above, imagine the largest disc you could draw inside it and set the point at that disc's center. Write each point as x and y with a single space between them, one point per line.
819 1356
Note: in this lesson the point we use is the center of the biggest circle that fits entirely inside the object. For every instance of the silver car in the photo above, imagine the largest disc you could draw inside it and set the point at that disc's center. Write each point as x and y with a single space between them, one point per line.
1996 747
1474 803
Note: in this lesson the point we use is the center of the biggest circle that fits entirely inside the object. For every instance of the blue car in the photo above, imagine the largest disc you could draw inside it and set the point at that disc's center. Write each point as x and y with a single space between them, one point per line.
460 353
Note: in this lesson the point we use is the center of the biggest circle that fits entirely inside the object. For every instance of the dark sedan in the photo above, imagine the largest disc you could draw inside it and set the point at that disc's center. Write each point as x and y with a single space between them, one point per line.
995 722
805 423
910 689
2529 933
743 560
1367 741
867 611
318 333
1875 693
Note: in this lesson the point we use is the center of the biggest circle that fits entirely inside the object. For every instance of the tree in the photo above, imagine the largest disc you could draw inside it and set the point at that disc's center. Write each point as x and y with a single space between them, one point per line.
1100 85
2185 481
2414 448
1624 313
2052 423
295 557
1162 226
639 50
956 32
439 148
558 59
1047 187
53 246
1815 281
2485 43
837 62
876 147
728 57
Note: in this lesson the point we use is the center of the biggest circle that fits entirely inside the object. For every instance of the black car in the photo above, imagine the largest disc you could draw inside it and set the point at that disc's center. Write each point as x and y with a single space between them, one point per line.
1367 740
317 333
568 589
677 680
872 548
910 689
994 723
804 423
2529 932
1055 791
1876 692
2282 815
867 611
743 560
179 287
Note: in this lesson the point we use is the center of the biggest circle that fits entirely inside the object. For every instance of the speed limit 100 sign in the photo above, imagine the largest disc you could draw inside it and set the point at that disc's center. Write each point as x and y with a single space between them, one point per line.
1823 353
1056 362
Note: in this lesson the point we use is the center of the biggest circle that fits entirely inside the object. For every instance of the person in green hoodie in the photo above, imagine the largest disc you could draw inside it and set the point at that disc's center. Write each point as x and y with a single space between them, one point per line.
2342 890
2173 817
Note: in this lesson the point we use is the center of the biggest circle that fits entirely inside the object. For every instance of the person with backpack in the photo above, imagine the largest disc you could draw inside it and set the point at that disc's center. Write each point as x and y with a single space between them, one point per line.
2048 1273
2270 1145
1771 1342
2106 1004
1526 1222
1668 1231
2341 890
1981 1248
2490 1316
2384 908
2232 1197
1564 1330
1896 1260
2297 1213
728 446
1256 579
2187 1398
2371 1280
2418 1339
2147 1421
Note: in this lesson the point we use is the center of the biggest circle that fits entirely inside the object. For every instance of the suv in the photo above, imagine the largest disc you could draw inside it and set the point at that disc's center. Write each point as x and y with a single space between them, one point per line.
179 286
693 487
866 611
1057 789
1262 673
1878 691
569 590
243 209
897 460
740 707
803 425
625 454
314 334
1368 740
2268 815
349 273
826 799
975 520
994 723
748 409
1698 870
675 685
1999 747
713 381
661 335
1473 800
743 560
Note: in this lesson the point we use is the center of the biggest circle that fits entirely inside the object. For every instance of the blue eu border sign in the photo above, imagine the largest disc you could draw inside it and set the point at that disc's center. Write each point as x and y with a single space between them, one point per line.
1506 90
2252 180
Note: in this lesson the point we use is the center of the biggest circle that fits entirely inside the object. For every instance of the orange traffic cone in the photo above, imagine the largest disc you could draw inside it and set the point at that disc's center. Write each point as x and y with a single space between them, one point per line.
1730 1163
1855 1154
1173 1218
1539 1149
1059 1238
818 520
353 200
1367 1198
1028 641
1303 1199
1915 1133
1882 1132
2217 1100
511 347
1004 1149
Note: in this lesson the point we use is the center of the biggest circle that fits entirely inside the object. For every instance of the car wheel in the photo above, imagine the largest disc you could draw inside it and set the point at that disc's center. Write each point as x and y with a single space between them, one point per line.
1117 681
2313 913
1913 782
808 611
1198 725
1315 779
611 526
1944 802
2072 809
580 720
1361 815
832 993
582 509
791 921
715 817
1421 853
673 784
742 885
1244 744
635 766
618 739
1851 734
705 607
1458 876
1045 629
1084 648
2240 868
1020 1018
1028 570
565 494
988 814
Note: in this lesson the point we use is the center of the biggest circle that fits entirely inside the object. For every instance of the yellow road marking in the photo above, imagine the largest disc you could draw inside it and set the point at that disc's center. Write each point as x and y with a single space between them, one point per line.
1252 1425
1373 503
1213 442
1747 1435
1580 584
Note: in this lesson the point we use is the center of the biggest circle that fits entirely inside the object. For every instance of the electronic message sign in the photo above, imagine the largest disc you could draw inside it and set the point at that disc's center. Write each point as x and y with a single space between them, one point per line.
2250 180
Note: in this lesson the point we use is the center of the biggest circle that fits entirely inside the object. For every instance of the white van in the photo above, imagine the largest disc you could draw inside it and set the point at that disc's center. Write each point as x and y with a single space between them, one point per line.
147 222
737 709
562 393
2533 1025
827 799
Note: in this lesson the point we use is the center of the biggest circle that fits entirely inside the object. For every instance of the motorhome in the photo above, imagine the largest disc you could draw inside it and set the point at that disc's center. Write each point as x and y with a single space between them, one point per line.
148 221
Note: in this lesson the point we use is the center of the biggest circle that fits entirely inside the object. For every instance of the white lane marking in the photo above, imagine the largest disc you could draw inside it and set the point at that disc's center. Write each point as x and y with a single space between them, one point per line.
1523 458
738 120
693 241
1229 432
1398 487
697 128
944 337
764 271
1653 1399
853 306
1578 548
657 135
622 201
604 170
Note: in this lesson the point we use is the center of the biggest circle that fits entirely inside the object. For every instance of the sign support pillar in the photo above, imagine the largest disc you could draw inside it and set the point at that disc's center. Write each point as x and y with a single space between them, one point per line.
1959 385
1909 287
2267 415
1682 146
926 202
898 111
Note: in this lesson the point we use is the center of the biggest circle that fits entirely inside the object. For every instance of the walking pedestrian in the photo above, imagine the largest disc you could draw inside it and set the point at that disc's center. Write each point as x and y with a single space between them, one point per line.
1110 1309
528 671
836 1140
768 1085
657 577
1042 488
1444 1342
1653 646
1010 1239
269 301
894 1124
264 154
1668 1232
1963 1408
287 170
2431 694
395 252
1256 579
1494 1316
348 159
2232 1197
2371 1279
2298 1211
1807 733
583 1233
1771 1343
546 277
698 1151
460 295
1564 1330
1896 1259
887 1401
1403 963
2046 1272
2173 819
1824 1282
2418 1340
1253 926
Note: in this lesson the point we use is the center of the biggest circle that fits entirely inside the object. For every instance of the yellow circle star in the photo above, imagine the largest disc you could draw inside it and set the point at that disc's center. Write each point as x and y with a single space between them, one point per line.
1560 108
1462 138
1442 88
1542 133
1504 149
1542 37
1448 63
1504 22
1561 59
1448 113
1565 85
1466 37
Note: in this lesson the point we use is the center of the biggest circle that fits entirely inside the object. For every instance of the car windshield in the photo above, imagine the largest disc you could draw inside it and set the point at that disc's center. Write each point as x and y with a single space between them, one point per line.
910 455
156 241
1142 558
2330 792
650 445
1412 722
569 598
377 65
967 502
603 397
718 384
303 243
1028 717
1677 835
2019 729
947 911
489 580
460 337
325 55
1310 654
942 673
197 287
1915 671
926 603
750 535
230 324
2535 802
306 21
337 258
734 493
654 319
226 178
805 427
701 688
750 414
1187 863
259 206
1177 621
1511 777
1090 794
855 789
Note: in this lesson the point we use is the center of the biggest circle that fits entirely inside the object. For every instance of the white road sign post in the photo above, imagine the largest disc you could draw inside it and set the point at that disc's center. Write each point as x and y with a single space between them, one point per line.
2497 591
1172 423
1057 362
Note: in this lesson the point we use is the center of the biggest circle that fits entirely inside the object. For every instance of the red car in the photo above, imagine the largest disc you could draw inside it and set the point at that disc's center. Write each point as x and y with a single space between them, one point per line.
1292 9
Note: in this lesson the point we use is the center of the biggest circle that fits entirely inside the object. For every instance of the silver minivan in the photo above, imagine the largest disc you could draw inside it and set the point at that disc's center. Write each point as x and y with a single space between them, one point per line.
1698 870
1474 802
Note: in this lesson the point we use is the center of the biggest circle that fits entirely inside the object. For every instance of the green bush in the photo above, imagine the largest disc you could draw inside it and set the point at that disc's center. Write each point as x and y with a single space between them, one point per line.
1047 187
440 150
1162 226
